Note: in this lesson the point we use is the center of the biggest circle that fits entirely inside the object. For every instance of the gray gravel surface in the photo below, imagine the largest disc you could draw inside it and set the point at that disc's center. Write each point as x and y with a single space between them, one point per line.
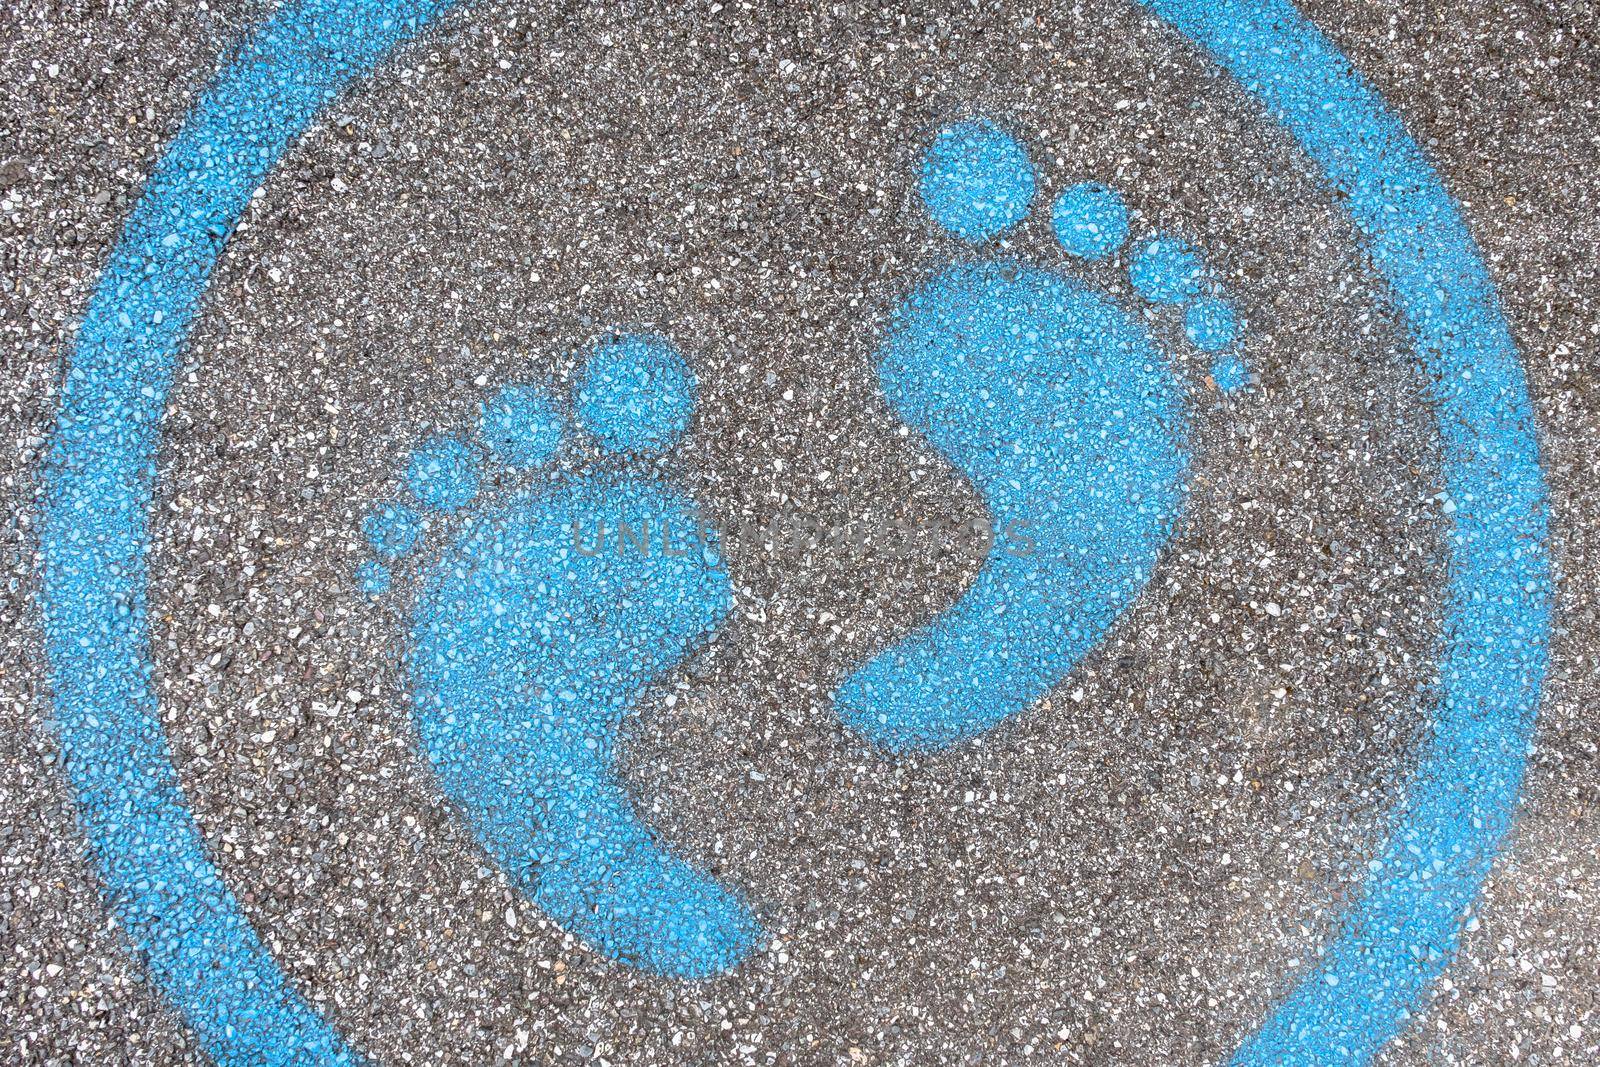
1125 874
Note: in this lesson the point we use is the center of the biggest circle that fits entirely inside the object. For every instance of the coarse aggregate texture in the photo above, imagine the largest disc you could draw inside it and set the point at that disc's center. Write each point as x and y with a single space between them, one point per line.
1126 872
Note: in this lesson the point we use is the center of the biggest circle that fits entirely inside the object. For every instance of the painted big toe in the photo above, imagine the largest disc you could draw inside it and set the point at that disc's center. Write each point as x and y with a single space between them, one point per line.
1068 418
531 641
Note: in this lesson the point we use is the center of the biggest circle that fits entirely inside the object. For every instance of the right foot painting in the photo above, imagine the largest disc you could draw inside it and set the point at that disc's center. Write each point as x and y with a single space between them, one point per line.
1068 418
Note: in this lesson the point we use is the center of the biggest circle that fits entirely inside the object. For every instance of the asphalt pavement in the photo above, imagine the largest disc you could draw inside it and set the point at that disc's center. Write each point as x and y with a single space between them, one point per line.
1135 867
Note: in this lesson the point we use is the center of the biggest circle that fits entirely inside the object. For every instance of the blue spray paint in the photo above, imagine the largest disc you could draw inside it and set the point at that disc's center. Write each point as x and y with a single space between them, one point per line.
1165 269
635 394
977 181
1067 417
443 474
1457 808
154 866
1458 805
531 639
526 654
1230 373
392 530
521 426
1211 324
1090 220
373 578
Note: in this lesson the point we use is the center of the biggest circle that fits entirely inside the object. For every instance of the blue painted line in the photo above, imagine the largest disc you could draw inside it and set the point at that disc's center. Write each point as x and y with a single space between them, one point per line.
1458 805
155 868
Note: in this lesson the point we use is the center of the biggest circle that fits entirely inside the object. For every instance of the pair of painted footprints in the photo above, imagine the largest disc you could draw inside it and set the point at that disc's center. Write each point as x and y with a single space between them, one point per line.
527 648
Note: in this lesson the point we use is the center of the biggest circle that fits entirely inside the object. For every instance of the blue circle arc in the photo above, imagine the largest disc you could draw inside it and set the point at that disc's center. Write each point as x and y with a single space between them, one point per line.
99 482
1402 930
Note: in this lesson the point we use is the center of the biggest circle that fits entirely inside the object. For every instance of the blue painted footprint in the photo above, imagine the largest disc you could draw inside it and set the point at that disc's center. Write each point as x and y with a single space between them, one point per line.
529 645
1067 417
